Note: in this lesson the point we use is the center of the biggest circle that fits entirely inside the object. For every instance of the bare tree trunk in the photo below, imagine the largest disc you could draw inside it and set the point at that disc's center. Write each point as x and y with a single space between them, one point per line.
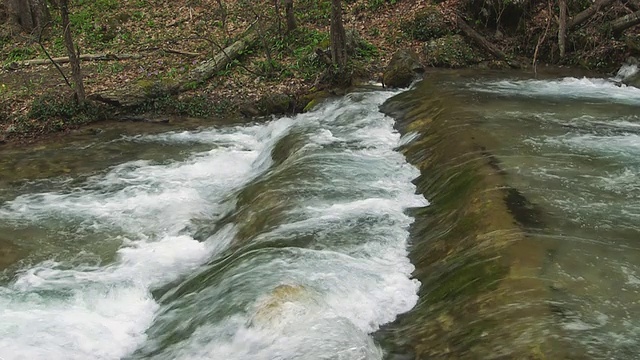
223 17
338 37
562 27
621 24
276 4
29 15
76 74
586 14
291 18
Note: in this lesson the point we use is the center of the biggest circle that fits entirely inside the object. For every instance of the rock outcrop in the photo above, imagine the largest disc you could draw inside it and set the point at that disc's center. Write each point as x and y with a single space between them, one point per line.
404 67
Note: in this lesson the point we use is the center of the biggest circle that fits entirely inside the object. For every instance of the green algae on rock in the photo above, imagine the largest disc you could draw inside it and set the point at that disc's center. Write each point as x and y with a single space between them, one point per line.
471 255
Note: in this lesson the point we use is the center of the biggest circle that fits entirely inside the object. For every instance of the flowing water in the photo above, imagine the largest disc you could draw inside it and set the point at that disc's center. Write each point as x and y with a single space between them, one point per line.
270 241
291 238
572 146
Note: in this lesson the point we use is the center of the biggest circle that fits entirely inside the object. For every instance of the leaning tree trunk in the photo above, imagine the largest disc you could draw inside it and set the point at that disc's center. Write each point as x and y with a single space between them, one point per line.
76 74
589 12
621 24
338 37
29 15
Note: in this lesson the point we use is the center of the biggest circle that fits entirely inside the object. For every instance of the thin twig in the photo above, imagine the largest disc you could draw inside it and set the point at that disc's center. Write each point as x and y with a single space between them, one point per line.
540 41
49 56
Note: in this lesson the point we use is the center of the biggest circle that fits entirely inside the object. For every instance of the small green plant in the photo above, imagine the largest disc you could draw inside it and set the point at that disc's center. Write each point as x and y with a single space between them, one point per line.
366 50
21 53
54 112
198 106
374 31
116 67
315 11
83 20
377 4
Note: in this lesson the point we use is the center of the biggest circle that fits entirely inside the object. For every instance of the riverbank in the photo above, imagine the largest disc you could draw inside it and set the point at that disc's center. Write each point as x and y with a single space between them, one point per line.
151 44
279 76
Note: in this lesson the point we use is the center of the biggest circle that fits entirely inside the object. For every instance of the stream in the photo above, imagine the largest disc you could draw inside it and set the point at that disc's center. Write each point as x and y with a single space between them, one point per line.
291 238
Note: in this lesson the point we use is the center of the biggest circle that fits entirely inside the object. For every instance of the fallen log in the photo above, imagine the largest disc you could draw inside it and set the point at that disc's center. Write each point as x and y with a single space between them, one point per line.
584 15
85 57
482 42
209 68
623 23
136 94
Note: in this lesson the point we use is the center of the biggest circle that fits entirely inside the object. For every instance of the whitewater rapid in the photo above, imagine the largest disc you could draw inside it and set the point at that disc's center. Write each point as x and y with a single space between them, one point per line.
112 253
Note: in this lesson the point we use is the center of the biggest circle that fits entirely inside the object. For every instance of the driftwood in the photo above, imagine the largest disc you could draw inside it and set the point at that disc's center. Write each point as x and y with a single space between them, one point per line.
136 94
85 57
623 23
584 15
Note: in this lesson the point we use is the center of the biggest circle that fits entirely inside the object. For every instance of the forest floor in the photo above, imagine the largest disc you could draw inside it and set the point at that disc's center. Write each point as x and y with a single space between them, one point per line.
171 37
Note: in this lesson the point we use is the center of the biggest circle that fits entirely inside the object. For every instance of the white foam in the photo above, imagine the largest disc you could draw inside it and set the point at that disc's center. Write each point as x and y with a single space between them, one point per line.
355 277
626 145
351 287
57 311
568 88
626 71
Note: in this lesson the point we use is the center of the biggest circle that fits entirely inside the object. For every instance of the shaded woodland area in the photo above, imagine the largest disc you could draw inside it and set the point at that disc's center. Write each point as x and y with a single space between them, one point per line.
207 58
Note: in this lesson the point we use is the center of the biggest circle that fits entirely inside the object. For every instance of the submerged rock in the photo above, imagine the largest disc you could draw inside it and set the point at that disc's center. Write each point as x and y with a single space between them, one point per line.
9 253
275 104
403 68
281 302
311 100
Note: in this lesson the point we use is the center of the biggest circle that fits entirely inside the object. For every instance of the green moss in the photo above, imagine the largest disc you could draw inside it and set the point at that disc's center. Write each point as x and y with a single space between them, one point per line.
427 24
313 99
275 104
450 51
465 277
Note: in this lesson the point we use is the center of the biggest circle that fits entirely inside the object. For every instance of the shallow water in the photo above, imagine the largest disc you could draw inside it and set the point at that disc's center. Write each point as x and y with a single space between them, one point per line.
572 147
578 158
279 240
290 239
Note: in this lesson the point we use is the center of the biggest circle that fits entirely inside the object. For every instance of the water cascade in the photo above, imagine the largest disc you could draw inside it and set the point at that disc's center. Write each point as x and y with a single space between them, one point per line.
475 216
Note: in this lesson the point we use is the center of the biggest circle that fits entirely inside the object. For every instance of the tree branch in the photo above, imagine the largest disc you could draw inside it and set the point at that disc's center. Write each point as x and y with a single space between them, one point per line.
589 12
